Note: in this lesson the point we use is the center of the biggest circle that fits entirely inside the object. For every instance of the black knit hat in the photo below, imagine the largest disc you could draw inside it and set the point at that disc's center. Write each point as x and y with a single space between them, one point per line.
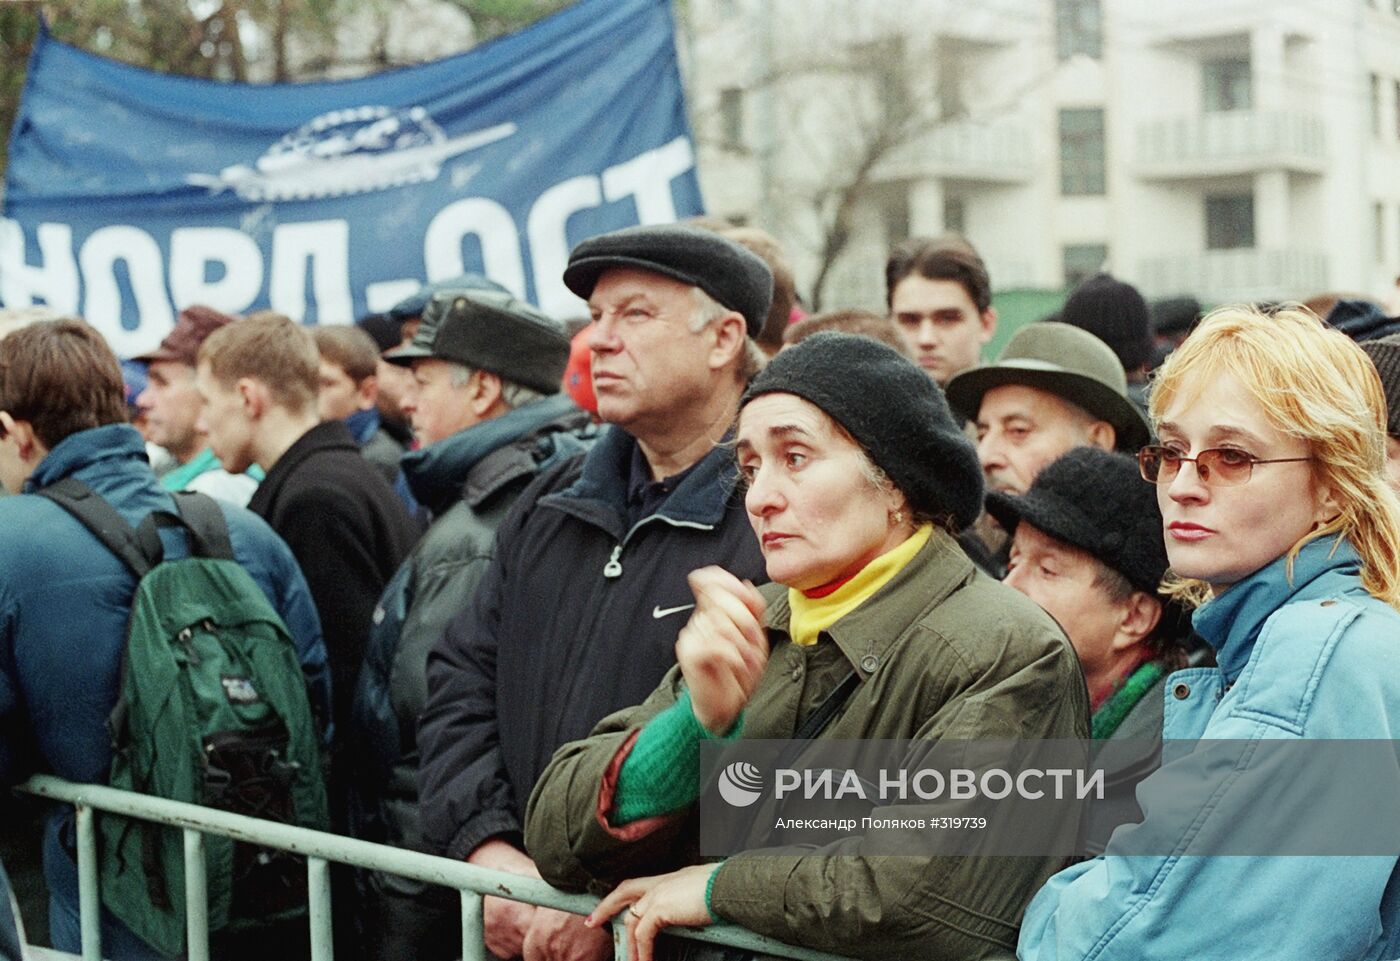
385 331
1385 354
1175 315
1115 313
491 331
1096 501
733 275
893 410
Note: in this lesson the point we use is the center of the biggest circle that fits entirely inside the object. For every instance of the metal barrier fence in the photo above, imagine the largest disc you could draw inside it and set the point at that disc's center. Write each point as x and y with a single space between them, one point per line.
320 849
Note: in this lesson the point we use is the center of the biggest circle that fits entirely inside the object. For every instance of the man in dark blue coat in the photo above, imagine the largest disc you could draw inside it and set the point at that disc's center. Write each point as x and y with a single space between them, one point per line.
486 407
64 597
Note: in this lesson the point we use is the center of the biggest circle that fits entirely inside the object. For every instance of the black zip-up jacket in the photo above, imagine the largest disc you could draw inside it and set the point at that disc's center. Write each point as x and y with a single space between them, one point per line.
576 617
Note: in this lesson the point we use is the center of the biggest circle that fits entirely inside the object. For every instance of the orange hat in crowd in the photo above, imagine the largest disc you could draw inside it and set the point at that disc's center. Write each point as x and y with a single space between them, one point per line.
578 374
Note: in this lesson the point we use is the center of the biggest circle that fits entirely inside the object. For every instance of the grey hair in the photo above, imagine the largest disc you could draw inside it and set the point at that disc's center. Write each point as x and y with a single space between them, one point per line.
461 373
518 395
881 481
513 395
708 310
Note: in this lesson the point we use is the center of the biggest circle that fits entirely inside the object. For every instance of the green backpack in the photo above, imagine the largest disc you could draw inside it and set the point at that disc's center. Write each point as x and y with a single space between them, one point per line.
213 710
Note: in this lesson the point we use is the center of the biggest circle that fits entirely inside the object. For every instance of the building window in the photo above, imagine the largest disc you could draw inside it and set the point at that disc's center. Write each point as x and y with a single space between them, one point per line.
895 210
955 214
731 117
1078 28
1376 105
883 60
1226 84
1230 221
1081 152
1083 261
1397 108
1379 220
950 94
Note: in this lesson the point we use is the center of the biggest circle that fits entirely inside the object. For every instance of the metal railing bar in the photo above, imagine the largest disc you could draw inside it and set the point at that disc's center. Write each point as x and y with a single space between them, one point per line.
325 846
304 841
196 897
620 952
89 897
318 887
473 927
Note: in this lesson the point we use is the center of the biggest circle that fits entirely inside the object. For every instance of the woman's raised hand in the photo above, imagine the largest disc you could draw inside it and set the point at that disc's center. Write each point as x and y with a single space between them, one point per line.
723 648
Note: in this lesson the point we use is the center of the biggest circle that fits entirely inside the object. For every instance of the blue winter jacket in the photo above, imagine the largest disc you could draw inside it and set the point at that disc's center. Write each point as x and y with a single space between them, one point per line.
1314 659
64 600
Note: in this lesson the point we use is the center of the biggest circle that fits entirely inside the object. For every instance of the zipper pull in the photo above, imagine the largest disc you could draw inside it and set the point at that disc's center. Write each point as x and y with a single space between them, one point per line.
613 568
186 641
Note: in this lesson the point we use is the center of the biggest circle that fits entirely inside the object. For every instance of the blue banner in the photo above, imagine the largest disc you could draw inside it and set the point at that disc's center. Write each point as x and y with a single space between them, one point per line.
131 194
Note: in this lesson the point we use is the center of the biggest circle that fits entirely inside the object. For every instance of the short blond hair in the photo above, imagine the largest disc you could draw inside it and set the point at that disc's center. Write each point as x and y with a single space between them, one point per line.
1314 384
269 348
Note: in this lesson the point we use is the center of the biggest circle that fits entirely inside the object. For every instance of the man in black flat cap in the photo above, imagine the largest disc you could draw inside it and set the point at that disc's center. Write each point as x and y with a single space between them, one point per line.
577 614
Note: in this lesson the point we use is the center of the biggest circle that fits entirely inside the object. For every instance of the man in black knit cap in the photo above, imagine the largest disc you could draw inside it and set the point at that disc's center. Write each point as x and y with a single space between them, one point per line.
577 614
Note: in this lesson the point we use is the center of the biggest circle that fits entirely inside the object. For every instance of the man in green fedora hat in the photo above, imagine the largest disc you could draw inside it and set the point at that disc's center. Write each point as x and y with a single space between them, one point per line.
1054 387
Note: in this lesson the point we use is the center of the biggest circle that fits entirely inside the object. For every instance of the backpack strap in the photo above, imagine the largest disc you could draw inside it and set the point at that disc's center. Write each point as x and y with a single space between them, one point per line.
205 521
102 519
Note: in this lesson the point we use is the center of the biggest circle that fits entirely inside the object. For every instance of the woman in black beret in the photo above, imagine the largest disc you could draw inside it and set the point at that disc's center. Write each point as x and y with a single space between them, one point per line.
877 626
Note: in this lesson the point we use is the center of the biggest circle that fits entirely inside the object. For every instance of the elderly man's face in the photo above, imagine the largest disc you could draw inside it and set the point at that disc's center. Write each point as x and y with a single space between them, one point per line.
438 401
1065 582
1020 430
171 405
647 364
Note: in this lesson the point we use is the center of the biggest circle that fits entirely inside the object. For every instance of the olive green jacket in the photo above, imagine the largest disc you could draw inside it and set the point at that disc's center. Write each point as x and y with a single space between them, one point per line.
943 652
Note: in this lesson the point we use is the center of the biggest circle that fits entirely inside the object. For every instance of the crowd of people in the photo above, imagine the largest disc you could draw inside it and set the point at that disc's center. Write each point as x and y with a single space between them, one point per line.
529 568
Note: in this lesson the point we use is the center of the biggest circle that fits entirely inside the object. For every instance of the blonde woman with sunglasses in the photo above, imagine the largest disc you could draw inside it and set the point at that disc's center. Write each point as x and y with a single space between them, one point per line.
1279 525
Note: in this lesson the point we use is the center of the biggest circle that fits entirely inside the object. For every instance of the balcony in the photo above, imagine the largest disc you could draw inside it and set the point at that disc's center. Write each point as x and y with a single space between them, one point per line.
1234 142
998 152
1226 276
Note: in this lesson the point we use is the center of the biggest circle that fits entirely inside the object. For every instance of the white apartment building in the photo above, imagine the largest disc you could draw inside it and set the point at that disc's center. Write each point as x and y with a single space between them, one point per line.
1227 149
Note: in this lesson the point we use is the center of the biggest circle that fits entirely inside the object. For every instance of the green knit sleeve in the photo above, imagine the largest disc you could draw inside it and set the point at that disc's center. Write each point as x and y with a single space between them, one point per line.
661 775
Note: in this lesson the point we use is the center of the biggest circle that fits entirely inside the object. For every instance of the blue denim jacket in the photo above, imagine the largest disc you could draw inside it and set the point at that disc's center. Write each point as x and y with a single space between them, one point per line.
1312 658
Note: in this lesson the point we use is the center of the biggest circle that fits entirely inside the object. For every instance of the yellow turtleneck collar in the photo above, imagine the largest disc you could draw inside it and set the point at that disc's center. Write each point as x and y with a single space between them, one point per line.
812 615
